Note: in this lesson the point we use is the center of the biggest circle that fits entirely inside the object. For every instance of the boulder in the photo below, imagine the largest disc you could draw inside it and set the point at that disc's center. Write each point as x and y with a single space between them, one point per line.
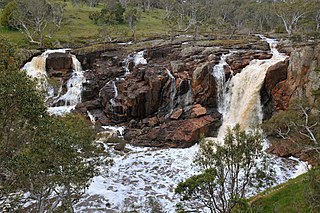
275 74
178 133
204 86
198 111
176 114
59 64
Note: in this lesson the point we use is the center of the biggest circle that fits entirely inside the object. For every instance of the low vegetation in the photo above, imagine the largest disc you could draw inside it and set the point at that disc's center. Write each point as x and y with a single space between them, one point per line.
297 195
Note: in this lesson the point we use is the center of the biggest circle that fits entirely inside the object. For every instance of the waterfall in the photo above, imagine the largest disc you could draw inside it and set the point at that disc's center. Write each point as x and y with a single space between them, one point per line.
242 101
138 58
219 75
185 99
36 68
127 64
115 90
173 92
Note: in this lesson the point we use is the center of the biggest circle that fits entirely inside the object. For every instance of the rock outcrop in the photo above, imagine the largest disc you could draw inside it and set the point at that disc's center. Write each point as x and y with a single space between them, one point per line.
59 65
167 99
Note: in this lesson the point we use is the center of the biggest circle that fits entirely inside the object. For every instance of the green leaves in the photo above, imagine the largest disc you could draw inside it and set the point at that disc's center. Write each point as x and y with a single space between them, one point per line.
228 171
40 154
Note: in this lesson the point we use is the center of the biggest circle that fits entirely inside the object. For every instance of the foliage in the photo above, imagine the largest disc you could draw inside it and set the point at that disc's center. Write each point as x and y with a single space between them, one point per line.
33 17
111 13
298 124
292 196
229 170
7 15
39 154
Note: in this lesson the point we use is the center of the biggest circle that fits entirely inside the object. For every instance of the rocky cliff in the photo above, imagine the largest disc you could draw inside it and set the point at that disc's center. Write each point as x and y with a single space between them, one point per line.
165 95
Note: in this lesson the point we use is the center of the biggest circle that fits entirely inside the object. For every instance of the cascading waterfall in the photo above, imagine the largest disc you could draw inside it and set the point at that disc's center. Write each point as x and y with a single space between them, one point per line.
186 99
115 90
138 58
143 173
219 75
242 103
173 92
36 68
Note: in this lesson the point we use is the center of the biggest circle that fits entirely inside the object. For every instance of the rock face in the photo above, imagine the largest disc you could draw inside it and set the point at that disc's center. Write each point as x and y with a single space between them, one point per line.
180 133
241 59
59 64
167 99
297 77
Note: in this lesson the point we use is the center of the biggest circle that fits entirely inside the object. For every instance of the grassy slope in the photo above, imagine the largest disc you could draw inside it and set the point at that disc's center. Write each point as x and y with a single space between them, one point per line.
79 29
285 198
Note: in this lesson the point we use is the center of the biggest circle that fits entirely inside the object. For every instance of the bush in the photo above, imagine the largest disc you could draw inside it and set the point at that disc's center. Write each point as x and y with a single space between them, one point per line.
111 13
6 18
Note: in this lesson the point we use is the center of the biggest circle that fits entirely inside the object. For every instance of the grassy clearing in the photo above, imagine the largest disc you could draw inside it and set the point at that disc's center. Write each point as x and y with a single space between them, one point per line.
79 30
287 197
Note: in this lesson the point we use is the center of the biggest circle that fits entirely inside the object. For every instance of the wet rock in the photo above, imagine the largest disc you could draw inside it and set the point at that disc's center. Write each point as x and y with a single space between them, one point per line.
176 114
59 64
198 111
178 133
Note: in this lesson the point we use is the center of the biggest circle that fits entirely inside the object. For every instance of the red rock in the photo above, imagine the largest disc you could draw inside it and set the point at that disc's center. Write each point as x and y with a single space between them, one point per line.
198 111
176 114
179 133
59 64
275 74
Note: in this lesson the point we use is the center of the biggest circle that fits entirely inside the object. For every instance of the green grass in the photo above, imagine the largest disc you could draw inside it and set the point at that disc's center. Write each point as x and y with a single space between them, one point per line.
285 198
79 30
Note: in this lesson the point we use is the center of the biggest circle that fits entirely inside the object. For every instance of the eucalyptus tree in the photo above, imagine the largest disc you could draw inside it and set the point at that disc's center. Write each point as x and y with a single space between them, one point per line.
292 11
33 17
44 160
228 172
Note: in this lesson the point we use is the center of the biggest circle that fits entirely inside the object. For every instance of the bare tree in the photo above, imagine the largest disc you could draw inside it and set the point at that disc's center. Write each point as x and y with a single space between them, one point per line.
33 17
291 12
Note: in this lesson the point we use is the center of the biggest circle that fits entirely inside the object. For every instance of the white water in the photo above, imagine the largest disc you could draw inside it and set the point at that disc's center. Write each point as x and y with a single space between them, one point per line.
219 74
36 68
186 99
140 173
242 103
137 58
173 92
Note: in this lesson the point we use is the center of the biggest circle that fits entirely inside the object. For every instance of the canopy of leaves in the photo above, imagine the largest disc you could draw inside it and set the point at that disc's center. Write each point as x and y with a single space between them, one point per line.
39 154
229 171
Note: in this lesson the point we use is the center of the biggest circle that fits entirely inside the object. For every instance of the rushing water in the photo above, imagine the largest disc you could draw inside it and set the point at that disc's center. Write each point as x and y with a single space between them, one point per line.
218 72
36 68
143 173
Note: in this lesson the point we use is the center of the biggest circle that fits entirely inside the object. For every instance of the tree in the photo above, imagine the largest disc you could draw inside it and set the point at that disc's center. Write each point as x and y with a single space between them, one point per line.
44 159
132 14
7 14
112 12
33 17
292 11
56 167
229 171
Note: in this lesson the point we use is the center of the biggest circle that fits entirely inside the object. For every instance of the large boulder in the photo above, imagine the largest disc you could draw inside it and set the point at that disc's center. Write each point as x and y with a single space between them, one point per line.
178 133
59 64
204 85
